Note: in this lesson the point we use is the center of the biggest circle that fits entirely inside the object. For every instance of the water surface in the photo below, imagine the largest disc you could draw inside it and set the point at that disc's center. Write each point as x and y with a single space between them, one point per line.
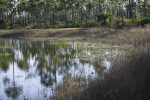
31 68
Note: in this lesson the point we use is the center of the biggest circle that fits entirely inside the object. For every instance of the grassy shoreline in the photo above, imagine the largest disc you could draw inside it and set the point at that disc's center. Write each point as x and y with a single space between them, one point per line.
56 32
128 79
109 35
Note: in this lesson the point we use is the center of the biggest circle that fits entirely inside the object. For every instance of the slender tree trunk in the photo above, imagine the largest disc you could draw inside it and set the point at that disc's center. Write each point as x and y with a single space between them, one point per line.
144 9
45 14
56 15
65 16
81 15
53 16
72 13
32 18
23 20
2 14
50 17
130 9
93 14
116 11
74 19
127 11
62 14
135 11
28 22
77 15
13 20
86 19
11 16
36 19
100 8
89 14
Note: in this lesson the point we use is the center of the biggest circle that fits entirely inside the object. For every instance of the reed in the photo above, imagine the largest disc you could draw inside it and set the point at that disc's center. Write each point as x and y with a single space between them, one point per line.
127 79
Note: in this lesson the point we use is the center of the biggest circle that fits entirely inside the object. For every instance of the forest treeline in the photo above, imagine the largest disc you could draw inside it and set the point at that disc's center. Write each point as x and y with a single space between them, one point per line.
73 13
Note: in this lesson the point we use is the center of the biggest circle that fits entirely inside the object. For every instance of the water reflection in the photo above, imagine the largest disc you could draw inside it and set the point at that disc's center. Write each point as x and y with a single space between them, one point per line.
32 68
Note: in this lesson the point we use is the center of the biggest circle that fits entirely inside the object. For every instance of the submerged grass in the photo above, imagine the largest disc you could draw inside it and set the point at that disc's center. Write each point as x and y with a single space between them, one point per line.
127 79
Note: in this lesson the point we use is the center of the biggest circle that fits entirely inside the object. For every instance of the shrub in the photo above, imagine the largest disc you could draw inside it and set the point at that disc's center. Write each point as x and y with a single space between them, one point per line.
83 24
134 21
119 22
110 19
145 21
91 23
138 18
39 25
4 24
128 22
102 19
19 24
105 18
76 24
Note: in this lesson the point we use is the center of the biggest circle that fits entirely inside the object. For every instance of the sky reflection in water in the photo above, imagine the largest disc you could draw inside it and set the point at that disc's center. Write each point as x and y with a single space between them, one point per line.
31 68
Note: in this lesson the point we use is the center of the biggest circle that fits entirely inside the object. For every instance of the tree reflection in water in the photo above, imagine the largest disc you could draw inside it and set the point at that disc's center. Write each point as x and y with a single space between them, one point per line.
41 64
13 90
5 55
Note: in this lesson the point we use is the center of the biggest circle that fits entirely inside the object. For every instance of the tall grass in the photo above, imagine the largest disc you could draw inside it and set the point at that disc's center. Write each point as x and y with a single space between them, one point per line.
128 78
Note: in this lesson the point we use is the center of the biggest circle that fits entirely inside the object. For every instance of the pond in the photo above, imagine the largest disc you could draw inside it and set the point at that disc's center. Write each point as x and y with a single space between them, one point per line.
31 68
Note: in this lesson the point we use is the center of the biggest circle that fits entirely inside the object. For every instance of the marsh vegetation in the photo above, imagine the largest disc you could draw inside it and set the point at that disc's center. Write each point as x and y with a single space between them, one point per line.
75 49
76 69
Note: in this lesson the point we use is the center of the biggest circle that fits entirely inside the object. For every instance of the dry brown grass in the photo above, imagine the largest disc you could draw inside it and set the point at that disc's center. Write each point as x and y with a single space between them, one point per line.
128 78
134 36
57 32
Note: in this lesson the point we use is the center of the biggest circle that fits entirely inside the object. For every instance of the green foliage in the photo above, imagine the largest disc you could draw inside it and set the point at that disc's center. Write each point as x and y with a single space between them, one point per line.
92 23
110 19
19 24
128 22
132 21
39 25
101 17
75 24
119 22
145 21
138 17
89 24
83 24
104 18
4 24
